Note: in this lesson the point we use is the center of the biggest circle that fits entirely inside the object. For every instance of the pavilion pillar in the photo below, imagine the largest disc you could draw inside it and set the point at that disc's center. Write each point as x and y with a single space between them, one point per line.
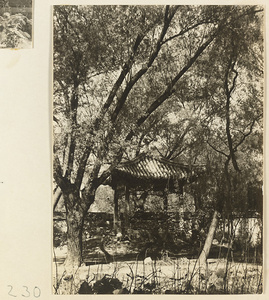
180 192
127 208
116 216
165 208
165 200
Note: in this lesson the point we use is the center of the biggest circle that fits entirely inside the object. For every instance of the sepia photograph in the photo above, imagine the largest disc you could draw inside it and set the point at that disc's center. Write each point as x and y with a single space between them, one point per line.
15 24
157 146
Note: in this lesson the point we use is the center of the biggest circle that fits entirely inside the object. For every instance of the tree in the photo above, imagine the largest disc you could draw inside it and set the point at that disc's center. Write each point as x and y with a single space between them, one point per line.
115 68
238 116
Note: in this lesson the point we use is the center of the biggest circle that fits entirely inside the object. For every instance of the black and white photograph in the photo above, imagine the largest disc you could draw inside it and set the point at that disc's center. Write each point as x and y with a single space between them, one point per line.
157 149
15 24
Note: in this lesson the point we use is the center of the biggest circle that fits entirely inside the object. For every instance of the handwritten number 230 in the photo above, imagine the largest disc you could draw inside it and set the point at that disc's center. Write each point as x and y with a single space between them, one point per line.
26 293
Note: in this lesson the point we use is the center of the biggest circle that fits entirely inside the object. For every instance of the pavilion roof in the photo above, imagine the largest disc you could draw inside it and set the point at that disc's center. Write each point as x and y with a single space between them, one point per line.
148 167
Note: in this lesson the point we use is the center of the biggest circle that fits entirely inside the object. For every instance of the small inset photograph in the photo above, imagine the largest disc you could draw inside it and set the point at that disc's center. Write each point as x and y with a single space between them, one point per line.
16 24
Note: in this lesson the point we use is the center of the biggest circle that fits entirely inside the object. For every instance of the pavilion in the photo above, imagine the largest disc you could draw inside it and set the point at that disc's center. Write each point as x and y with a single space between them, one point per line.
145 173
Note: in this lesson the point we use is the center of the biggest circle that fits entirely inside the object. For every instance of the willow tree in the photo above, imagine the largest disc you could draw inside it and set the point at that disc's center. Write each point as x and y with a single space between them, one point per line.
231 109
115 67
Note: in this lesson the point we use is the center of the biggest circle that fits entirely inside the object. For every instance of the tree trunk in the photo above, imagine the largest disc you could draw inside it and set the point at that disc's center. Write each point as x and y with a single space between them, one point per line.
209 239
76 207
74 221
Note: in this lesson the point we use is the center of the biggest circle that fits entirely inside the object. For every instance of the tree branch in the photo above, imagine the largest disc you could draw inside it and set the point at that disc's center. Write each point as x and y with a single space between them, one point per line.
246 134
143 70
228 92
57 197
58 173
182 32
178 142
126 68
219 151
96 125
169 90
72 127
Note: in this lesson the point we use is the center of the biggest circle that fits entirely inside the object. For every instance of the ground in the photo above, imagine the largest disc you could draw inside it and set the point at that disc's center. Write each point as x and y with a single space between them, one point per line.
167 275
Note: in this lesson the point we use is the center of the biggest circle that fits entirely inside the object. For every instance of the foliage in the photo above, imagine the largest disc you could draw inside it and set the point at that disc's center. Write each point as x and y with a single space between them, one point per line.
15 30
59 234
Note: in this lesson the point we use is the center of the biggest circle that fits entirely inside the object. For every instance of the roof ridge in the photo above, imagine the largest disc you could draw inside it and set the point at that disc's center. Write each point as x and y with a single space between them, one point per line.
134 160
144 155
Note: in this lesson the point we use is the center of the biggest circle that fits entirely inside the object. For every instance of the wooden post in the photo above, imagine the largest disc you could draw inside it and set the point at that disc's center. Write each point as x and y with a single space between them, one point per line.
165 208
165 200
127 208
